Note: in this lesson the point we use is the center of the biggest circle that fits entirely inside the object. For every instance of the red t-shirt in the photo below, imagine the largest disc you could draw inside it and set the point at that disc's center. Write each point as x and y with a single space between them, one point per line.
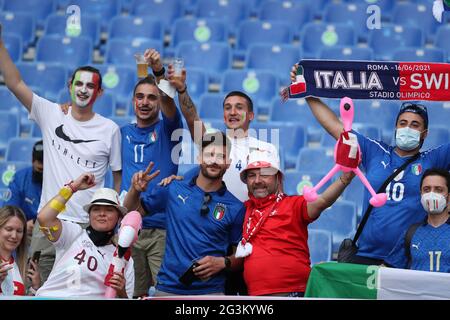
280 258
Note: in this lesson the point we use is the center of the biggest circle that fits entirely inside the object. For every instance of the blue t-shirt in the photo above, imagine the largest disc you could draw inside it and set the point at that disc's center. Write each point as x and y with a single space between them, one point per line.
142 145
402 208
25 193
430 249
191 236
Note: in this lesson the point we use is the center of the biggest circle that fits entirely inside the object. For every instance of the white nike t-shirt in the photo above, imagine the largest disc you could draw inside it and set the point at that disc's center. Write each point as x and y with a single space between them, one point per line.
73 147
80 267
240 149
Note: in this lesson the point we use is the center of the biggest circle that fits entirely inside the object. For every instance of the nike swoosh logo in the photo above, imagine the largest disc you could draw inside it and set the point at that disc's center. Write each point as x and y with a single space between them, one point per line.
60 133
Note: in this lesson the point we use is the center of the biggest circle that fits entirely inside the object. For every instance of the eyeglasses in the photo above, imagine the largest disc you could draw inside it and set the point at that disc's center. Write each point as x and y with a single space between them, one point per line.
206 200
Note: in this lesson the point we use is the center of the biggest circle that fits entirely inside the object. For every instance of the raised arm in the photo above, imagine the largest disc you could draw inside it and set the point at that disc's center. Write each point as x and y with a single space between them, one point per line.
48 220
188 109
12 77
330 195
324 115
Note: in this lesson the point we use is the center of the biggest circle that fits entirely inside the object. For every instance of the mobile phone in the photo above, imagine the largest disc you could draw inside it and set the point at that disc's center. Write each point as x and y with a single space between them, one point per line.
35 258
188 276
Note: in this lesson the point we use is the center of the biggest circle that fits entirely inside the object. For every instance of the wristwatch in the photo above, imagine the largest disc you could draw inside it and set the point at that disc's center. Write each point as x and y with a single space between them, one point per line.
227 263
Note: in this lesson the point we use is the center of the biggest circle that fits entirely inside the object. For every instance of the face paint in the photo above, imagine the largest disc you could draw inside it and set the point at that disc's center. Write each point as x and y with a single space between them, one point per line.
85 87
244 115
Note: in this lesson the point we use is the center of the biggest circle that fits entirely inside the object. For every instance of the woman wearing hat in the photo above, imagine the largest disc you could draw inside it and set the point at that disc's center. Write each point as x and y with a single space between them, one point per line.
83 256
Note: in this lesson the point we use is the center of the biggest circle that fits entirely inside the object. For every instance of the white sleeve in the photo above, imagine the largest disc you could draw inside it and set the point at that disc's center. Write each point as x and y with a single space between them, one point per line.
41 109
69 232
115 156
129 278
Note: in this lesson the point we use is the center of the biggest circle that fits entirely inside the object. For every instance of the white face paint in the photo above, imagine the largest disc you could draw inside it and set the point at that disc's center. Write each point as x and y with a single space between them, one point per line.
84 88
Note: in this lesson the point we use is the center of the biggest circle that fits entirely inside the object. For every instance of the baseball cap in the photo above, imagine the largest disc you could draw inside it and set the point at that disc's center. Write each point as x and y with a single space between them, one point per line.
38 151
414 107
105 197
258 159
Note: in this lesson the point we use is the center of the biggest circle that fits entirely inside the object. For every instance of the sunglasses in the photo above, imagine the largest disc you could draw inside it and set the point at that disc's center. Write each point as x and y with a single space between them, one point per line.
406 105
204 210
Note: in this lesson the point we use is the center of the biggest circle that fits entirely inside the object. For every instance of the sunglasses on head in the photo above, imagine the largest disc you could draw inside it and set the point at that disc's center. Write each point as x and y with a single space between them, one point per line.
406 105
204 210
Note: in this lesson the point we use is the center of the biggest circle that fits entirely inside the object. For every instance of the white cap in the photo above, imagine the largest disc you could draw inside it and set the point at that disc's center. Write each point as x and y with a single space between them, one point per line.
105 197
261 159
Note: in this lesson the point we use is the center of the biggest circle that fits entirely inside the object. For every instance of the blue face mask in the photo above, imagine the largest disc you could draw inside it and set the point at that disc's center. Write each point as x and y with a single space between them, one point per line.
407 139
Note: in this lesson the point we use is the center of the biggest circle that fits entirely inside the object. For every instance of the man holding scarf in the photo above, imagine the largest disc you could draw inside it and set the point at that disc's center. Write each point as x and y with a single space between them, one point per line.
275 230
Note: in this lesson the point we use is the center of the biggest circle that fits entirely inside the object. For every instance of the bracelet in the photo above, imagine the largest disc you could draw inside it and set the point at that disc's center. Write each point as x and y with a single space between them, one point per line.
182 91
58 206
160 72
66 193
69 184
345 184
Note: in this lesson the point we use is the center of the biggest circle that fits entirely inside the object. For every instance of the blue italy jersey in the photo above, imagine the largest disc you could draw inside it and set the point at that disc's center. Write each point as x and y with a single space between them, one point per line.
142 145
430 249
25 193
191 236
402 208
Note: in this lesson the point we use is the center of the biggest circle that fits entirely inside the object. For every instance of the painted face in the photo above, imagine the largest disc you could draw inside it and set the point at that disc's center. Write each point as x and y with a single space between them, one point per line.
103 218
146 102
85 87
236 114
11 234
262 183
214 161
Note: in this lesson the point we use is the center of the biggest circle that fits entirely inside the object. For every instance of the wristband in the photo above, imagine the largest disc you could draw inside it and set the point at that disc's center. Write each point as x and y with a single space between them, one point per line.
182 91
160 72
71 187
66 193
58 206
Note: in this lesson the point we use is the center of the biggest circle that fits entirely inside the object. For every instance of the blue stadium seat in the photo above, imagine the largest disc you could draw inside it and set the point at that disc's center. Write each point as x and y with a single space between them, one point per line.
381 113
438 114
39 9
119 80
211 106
8 101
254 31
135 27
36 131
391 37
214 57
441 41
385 6
294 13
55 76
315 159
197 82
423 55
346 53
71 52
320 244
20 149
56 24
437 135
21 24
8 169
276 58
317 7
353 14
102 10
121 51
418 15
293 111
355 193
122 120
13 43
318 35
287 136
261 86
294 181
233 11
339 219
201 30
165 10
9 128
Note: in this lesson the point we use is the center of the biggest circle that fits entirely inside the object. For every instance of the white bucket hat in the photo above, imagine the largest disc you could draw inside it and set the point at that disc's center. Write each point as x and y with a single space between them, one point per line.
105 197
258 159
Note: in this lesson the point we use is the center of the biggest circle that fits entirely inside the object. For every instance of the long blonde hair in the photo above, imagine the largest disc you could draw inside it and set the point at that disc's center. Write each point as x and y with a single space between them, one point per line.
6 213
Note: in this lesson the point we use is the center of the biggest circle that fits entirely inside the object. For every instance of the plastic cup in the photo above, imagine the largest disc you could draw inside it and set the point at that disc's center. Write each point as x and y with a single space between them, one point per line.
141 64
178 64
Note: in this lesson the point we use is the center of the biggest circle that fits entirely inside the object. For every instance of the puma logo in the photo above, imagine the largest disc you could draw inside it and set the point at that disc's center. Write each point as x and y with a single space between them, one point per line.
183 199
384 164
415 246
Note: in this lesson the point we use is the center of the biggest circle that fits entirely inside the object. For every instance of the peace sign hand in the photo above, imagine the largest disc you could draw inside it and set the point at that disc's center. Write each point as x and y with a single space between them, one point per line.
141 179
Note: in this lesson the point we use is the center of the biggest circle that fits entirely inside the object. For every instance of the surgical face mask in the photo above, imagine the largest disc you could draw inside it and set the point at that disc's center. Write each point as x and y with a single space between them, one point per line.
407 139
433 203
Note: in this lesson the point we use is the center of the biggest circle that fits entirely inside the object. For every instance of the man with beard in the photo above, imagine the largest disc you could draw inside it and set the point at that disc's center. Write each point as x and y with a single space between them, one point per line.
74 143
26 187
203 220
147 140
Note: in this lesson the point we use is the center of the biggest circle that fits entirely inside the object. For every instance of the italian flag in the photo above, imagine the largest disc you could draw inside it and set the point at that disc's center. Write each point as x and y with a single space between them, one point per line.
353 281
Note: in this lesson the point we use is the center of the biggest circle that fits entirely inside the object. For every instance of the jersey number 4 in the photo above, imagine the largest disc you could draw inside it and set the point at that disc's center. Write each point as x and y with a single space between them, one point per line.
91 261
